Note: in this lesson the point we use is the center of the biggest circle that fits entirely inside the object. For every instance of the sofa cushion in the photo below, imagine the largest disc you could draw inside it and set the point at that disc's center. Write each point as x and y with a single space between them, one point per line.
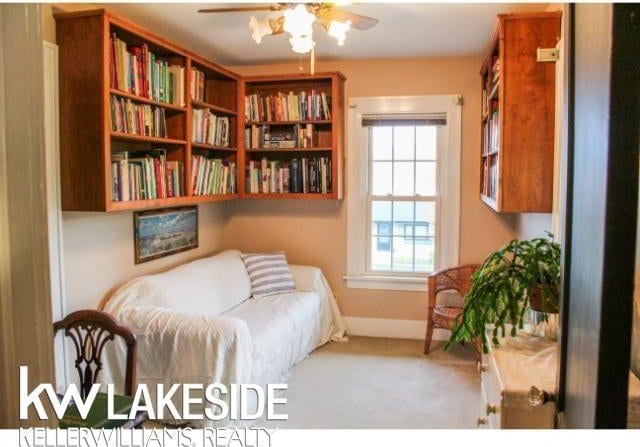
269 273
207 286
284 329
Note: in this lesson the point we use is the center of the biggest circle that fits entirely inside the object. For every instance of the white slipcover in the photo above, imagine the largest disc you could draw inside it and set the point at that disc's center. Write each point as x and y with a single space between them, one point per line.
197 324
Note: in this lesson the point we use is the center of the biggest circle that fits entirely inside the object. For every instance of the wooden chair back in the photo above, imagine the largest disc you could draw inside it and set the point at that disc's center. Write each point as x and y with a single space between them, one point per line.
90 330
453 278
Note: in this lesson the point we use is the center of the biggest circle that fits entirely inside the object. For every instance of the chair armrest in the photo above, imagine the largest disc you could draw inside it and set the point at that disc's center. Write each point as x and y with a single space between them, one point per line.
306 278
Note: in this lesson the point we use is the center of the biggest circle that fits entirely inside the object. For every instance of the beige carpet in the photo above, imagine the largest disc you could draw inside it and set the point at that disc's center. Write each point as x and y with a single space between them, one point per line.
382 383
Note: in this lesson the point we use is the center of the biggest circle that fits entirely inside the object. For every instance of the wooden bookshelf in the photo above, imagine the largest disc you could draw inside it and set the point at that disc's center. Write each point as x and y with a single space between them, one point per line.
325 143
87 141
517 116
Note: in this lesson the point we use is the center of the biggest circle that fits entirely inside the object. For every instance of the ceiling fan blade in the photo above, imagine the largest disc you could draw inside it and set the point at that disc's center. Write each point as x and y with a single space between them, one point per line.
357 21
241 9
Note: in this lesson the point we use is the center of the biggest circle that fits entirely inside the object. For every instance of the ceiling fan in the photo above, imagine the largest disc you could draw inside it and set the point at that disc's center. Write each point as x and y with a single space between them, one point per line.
298 18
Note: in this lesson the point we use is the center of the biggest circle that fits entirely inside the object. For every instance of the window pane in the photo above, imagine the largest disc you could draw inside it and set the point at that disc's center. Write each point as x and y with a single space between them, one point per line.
402 215
426 215
381 178
426 178
425 254
381 143
426 142
403 145
402 254
403 178
381 253
380 218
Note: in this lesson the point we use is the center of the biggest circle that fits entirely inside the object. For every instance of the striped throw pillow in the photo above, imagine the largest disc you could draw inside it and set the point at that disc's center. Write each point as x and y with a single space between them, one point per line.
269 273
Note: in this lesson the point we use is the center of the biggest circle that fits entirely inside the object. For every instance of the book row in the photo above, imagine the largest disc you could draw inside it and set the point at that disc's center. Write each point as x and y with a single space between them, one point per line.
196 85
136 70
280 137
144 176
208 128
137 119
306 175
212 176
312 105
490 177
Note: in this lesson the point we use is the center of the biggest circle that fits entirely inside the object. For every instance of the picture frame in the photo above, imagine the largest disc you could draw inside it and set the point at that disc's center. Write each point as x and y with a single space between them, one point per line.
164 232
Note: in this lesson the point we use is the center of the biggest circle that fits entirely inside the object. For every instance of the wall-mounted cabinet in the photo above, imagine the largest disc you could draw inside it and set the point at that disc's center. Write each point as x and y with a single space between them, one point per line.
517 115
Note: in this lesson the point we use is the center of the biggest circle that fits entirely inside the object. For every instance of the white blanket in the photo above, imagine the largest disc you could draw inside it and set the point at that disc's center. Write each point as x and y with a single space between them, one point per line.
257 341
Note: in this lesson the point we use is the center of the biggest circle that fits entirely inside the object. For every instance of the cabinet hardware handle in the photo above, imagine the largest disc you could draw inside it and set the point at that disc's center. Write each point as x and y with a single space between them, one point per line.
481 421
481 367
491 409
538 397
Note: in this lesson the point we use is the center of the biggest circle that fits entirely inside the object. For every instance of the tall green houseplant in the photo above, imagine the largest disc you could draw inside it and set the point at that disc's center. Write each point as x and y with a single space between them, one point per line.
521 275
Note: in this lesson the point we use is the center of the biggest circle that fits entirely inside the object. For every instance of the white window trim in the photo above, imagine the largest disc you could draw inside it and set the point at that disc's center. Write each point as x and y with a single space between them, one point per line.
449 187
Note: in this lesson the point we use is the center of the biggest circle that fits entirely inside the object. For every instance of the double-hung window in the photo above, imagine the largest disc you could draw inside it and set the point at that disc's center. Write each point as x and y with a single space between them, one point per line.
404 188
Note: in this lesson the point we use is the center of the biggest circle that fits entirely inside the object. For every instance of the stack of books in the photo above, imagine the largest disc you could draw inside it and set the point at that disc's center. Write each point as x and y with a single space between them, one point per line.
306 175
279 137
135 70
197 85
312 105
212 176
208 128
137 119
144 176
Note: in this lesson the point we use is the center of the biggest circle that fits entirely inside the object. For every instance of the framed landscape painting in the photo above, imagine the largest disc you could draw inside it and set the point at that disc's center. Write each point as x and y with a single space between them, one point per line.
163 232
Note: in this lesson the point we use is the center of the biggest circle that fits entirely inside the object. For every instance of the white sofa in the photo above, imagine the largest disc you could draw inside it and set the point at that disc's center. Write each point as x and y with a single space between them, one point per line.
197 323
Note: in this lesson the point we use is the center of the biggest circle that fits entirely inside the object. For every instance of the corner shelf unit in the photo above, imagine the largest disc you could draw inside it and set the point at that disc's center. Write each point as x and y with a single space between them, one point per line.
517 116
87 141
324 136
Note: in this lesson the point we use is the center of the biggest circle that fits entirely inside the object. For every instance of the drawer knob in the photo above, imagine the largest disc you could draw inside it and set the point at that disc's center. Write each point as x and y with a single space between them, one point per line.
491 409
481 367
538 397
481 421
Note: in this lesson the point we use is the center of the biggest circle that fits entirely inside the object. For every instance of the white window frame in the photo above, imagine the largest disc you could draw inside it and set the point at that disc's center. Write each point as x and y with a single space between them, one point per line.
448 187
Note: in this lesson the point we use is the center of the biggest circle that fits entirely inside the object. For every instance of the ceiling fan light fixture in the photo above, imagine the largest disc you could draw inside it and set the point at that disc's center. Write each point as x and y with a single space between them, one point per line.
338 30
260 29
298 21
302 44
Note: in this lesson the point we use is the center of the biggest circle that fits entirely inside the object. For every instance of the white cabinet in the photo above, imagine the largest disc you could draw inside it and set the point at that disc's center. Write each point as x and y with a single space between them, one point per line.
510 369
507 373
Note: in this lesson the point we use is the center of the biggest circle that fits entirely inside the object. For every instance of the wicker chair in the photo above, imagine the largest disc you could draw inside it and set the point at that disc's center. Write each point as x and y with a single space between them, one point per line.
442 316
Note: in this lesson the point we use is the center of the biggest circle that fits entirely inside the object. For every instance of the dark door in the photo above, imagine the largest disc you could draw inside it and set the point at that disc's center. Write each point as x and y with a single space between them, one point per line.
601 215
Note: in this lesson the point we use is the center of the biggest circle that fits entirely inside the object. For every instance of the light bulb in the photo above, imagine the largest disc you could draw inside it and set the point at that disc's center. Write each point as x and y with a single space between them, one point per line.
339 30
298 21
302 44
260 29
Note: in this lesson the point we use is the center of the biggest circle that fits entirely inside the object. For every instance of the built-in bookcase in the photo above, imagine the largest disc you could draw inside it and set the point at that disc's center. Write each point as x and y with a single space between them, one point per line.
292 136
517 114
134 145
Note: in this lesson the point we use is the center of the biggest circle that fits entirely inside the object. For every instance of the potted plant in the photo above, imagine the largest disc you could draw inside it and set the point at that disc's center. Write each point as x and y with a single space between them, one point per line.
519 276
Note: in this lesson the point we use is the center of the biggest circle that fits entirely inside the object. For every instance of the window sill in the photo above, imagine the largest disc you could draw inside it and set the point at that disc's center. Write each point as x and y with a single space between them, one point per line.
406 283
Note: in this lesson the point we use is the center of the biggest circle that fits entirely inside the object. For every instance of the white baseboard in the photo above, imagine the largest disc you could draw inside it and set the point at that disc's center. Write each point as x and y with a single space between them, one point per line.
387 328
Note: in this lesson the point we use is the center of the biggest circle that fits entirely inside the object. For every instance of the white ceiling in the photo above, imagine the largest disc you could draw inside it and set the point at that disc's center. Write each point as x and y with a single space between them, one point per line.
403 30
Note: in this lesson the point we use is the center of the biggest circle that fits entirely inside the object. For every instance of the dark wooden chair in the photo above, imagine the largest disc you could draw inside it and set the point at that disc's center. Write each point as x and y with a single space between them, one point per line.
90 330
443 316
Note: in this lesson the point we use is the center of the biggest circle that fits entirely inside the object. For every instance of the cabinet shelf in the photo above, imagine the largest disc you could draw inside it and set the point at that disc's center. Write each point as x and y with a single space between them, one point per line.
143 100
285 123
142 138
290 149
213 148
219 110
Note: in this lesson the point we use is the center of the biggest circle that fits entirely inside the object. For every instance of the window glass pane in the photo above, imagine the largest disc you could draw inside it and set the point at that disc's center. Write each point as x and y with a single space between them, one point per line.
426 142
380 218
381 178
426 178
403 178
381 143
402 254
403 144
381 253
426 215
402 215
420 230
425 254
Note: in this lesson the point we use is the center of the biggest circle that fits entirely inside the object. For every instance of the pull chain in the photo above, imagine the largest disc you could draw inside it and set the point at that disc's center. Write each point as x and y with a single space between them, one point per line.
300 63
